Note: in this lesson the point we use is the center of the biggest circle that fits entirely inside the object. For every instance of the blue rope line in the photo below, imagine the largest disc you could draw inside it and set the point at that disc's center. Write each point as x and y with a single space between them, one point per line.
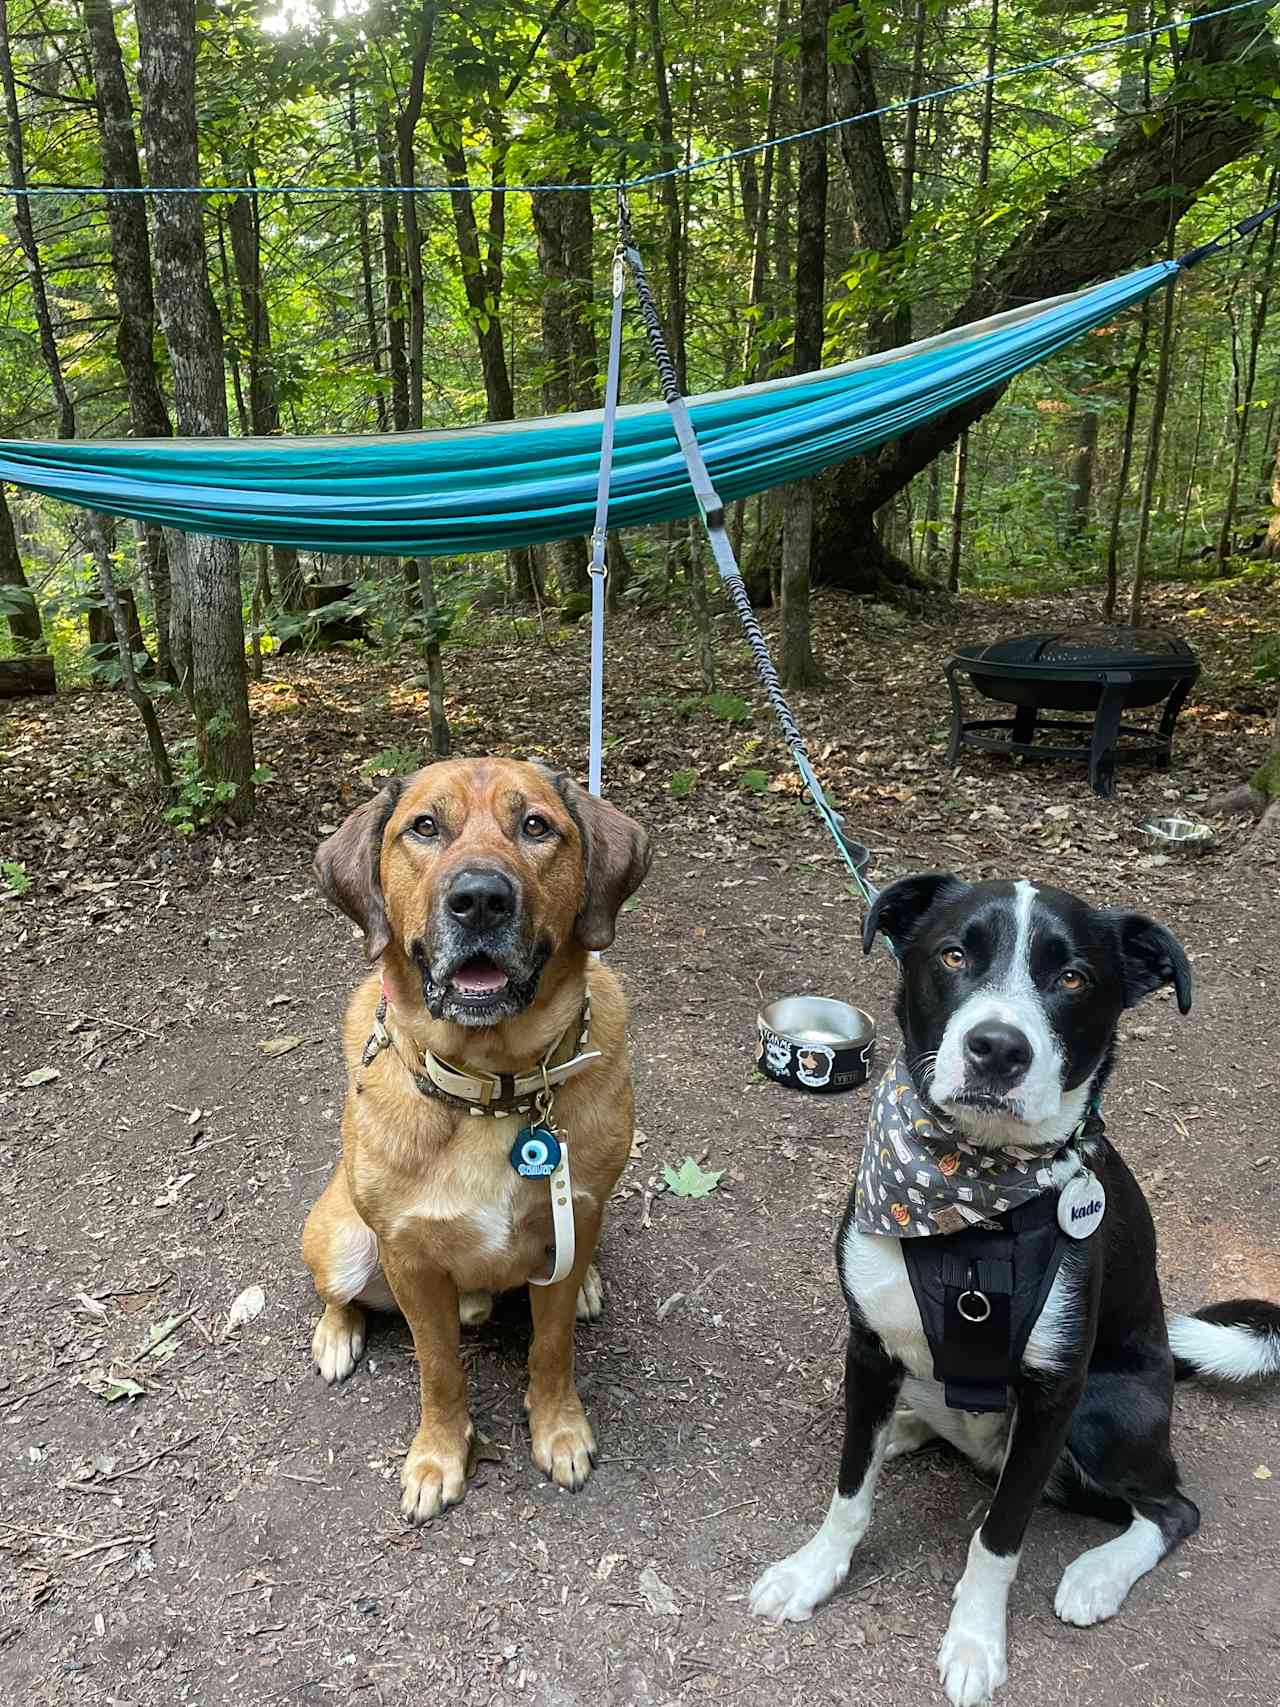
615 184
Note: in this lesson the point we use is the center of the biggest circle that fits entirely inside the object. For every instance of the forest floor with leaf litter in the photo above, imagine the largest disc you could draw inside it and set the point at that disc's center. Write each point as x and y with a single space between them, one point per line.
229 1532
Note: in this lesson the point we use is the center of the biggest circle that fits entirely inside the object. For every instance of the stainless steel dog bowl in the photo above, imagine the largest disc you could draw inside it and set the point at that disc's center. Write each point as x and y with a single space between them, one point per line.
811 1043
1177 835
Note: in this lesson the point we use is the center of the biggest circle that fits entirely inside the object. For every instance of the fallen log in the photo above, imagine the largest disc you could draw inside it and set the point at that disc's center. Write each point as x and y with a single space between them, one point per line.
32 673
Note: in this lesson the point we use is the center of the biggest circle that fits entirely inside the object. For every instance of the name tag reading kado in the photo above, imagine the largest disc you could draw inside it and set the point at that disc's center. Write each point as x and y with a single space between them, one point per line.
1081 1206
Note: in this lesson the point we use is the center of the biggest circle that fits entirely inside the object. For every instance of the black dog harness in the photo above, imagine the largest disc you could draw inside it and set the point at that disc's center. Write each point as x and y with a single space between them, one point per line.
980 1293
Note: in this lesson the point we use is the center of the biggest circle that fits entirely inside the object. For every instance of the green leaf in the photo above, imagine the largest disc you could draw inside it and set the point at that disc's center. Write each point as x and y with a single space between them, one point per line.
690 1180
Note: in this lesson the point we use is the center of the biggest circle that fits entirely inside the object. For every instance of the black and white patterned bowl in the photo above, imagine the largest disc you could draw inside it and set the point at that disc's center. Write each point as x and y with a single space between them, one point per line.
811 1043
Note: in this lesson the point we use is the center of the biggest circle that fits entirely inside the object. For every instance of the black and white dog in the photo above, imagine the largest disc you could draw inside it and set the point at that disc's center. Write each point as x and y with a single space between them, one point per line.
1009 999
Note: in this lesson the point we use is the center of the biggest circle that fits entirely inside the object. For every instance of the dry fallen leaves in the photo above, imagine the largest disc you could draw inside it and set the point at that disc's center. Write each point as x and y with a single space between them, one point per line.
249 1304
41 1076
657 1594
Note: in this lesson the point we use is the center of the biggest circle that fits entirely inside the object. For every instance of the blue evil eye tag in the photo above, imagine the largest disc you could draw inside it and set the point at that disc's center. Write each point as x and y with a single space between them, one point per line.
535 1153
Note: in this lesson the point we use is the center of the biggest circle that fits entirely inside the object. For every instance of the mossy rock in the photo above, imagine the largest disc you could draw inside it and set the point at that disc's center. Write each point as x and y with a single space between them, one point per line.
1266 779
574 608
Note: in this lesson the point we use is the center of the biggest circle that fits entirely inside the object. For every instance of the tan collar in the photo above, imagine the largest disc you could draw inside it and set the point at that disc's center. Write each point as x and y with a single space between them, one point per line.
475 1088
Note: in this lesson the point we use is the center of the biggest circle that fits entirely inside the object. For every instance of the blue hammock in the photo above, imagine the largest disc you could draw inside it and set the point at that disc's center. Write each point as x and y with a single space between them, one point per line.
476 489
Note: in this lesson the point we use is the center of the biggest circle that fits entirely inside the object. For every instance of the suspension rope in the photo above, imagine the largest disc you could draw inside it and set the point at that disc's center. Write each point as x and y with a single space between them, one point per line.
853 853
704 164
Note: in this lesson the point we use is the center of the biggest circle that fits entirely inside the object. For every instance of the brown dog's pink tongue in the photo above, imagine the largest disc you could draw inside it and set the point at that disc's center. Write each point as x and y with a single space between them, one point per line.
479 976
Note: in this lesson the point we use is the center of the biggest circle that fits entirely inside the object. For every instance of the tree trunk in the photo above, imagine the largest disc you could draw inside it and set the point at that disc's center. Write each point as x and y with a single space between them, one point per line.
1147 497
669 197
193 333
102 626
131 269
1126 463
66 411
562 222
441 739
1261 302
22 219
1194 461
911 125
482 280
1271 545
407 162
1096 225
877 213
365 245
393 284
1259 798
120 620
264 399
799 668
960 485
1080 504
764 204
21 610
932 518
960 481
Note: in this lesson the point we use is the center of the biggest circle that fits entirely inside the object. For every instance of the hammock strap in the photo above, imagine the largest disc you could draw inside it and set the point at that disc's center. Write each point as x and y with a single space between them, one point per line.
712 509
598 567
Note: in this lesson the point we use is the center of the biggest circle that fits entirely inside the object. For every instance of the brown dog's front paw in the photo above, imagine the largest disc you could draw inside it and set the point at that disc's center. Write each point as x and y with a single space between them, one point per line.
434 1476
338 1342
564 1447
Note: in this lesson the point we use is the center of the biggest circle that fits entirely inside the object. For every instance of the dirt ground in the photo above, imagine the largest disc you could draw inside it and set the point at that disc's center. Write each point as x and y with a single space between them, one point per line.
230 1532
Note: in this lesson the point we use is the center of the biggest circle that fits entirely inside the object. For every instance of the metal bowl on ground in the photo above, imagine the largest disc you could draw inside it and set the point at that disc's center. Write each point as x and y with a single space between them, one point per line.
811 1043
1177 835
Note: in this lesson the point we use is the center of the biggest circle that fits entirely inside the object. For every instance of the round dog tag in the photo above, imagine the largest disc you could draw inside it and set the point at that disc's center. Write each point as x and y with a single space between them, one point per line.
1081 1205
535 1153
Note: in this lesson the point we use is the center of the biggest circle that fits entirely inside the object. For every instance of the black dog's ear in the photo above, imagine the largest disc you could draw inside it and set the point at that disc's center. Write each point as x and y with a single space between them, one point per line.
348 868
1151 957
616 854
899 909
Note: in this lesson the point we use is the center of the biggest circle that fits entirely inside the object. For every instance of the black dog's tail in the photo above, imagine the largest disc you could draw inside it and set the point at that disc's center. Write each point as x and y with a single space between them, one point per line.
1235 1341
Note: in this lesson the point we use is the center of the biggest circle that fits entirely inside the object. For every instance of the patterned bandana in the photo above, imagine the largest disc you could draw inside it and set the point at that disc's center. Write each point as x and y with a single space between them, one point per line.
918 1176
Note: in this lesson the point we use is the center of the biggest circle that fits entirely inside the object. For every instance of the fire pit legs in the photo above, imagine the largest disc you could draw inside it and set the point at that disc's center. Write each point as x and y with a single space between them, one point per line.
1106 730
1168 717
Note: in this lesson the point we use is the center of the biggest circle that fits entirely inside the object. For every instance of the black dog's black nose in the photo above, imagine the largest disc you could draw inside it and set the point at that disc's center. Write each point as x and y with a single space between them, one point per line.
481 899
1001 1053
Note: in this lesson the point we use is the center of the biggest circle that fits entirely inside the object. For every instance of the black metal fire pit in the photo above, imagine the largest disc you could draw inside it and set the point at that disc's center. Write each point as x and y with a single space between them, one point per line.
1103 670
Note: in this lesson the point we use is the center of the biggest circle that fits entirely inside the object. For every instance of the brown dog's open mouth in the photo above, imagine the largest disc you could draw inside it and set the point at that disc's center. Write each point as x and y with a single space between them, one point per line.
478 977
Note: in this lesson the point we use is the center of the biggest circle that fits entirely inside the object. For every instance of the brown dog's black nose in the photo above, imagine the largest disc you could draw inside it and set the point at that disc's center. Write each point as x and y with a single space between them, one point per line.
1001 1053
481 899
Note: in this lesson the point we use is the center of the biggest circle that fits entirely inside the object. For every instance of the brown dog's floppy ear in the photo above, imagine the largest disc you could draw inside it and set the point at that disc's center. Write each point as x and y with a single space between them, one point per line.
616 855
348 868
1151 957
898 909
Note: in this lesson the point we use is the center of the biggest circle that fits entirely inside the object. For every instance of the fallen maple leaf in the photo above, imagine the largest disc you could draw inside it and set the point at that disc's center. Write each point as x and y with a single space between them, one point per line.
689 1180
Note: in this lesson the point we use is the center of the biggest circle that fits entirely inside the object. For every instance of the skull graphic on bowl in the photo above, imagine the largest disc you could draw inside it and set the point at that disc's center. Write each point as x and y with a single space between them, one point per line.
777 1053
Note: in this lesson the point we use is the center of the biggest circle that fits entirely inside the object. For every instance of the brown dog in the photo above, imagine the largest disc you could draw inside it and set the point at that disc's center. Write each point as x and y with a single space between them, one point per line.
481 887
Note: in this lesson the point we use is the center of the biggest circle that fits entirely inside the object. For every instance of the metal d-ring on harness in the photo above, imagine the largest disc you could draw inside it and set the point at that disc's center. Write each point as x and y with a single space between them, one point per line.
712 510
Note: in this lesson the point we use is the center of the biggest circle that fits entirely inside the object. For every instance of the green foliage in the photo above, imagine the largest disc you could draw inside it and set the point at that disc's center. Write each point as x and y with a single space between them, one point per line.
15 876
755 781
15 601
393 761
681 784
724 707
196 801
1266 660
